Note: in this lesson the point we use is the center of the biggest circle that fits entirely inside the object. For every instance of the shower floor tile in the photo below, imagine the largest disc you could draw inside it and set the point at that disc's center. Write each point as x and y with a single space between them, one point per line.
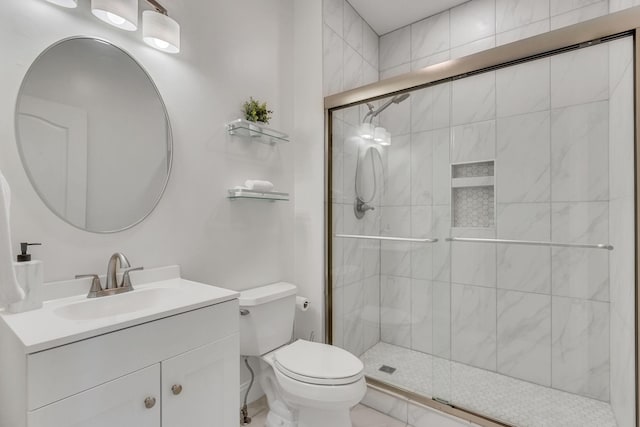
503 398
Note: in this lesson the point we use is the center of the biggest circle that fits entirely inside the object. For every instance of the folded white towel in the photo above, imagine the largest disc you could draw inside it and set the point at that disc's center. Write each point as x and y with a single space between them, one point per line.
10 290
258 185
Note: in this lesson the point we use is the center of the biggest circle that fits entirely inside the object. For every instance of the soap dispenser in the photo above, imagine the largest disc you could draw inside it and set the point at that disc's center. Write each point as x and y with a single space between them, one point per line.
30 276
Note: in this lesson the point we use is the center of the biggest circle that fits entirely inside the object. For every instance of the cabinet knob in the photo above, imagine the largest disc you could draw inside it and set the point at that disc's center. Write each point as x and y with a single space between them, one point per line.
176 389
150 402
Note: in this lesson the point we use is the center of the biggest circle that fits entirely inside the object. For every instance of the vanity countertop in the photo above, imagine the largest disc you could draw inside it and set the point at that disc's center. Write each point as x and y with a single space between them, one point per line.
64 319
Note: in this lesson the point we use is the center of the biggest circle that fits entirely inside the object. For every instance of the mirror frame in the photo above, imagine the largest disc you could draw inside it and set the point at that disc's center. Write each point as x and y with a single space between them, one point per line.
166 114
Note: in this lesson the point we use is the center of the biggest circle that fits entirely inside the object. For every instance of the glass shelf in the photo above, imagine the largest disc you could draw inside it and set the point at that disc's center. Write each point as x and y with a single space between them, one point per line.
256 131
241 193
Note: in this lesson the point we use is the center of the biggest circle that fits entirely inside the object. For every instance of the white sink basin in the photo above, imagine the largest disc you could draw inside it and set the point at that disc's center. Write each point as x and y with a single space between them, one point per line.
116 305
68 315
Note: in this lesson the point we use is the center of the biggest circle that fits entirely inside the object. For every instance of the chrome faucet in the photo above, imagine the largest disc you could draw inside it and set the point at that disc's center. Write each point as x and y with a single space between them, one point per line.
117 260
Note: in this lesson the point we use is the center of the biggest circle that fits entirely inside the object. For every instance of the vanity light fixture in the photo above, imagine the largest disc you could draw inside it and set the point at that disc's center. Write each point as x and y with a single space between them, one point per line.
159 30
121 14
71 4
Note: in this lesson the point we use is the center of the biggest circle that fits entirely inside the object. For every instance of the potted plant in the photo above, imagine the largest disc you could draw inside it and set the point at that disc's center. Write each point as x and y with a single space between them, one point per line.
258 112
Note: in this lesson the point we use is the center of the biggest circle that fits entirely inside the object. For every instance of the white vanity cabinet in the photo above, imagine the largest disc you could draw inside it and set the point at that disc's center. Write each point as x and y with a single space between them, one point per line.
177 371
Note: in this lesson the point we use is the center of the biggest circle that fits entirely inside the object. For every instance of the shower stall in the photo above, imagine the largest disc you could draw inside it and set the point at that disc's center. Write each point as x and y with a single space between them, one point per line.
482 235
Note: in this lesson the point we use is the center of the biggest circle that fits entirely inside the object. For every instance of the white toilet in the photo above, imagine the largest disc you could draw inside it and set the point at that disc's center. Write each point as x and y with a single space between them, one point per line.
307 384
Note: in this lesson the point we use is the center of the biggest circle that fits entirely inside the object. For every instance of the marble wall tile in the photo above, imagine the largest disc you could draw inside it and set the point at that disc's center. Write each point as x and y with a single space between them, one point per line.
558 7
430 108
420 416
442 248
337 250
580 77
333 15
397 176
523 88
395 257
353 297
580 222
523 32
422 168
441 167
473 47
337 160
580 152
430 60
580 273
337 315
580 347
353 24
622 355
397 119
421 315
395 48
430 36
353 253
332 65
473 326
524 336
370 45
579 15
474 99
395 310
351 149
523 171
621 119
421 253
441 319
524 268
369 74
354 333
617 5
473 142
512 14
371 312
576 272
473 263
395 71
393 406
353 68
472 21
524 221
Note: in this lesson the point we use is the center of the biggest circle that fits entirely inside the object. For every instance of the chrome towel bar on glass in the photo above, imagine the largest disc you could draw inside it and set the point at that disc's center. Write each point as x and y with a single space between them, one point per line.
531 243
386 238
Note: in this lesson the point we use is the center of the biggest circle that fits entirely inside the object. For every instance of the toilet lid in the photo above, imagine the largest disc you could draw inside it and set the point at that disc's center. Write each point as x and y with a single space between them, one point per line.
318 363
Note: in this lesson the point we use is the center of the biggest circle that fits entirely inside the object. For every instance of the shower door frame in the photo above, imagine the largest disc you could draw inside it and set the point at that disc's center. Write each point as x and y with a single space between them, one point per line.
579 35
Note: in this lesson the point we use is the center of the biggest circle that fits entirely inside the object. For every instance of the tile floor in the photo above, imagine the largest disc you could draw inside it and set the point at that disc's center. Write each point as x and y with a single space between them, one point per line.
361 416
501 397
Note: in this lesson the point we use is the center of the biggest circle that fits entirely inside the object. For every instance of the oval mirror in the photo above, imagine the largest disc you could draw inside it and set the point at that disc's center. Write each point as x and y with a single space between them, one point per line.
94 135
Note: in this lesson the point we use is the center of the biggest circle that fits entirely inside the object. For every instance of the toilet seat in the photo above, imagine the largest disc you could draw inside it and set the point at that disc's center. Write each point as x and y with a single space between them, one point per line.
318 364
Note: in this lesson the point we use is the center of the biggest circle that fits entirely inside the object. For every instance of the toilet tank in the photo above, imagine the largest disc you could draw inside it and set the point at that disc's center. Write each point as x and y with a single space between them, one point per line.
266 318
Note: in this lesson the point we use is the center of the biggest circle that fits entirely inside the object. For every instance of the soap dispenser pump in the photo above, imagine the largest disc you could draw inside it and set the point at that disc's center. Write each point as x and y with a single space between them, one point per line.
25 256
30 277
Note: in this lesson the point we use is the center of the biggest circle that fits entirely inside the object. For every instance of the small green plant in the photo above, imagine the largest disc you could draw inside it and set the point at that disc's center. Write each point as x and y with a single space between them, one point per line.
256 111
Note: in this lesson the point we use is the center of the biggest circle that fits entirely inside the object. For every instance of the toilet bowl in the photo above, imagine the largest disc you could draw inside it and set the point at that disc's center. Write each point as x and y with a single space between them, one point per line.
307 384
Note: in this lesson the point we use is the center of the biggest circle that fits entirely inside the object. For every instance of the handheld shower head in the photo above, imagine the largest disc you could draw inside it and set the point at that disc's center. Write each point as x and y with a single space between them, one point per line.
375 112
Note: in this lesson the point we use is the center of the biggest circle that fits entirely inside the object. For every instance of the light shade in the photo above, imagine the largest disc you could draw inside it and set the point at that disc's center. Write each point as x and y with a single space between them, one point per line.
160 31
65 3
366 131
122 14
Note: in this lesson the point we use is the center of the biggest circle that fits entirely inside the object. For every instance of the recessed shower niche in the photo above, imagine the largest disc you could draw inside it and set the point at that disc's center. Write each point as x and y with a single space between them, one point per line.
473 195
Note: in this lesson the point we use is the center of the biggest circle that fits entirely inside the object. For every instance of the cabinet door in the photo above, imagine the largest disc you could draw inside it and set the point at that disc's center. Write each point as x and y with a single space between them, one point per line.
117 403
201 388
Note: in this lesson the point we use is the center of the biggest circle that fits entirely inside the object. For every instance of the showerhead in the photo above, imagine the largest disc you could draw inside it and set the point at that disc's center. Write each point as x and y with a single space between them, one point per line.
399 98
373 112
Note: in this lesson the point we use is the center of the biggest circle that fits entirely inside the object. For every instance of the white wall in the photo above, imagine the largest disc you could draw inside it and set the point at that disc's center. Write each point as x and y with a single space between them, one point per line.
232 244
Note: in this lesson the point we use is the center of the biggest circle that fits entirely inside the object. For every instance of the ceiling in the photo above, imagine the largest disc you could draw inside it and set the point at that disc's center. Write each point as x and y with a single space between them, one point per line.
385 16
